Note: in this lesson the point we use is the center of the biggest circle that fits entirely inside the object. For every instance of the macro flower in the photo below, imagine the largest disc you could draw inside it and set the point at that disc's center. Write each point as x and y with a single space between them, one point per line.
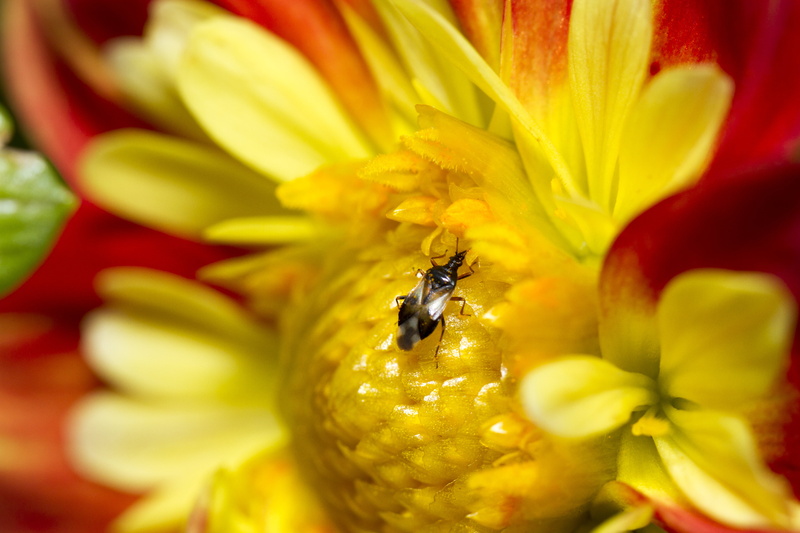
566 147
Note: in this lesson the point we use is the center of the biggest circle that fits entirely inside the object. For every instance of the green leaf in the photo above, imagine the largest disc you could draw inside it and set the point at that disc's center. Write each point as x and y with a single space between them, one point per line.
33 206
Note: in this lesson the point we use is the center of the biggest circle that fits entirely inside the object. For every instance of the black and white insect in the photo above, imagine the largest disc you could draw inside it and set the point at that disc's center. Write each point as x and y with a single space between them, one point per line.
423 308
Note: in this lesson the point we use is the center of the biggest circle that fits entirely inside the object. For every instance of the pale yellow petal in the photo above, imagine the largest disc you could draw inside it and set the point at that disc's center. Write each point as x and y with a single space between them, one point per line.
149 88
135 446
263 230
157 293
177 186
492 162
736 327
715 462
162 509
264 102
170 24
670 135
145 68
609 50
159 358
582 396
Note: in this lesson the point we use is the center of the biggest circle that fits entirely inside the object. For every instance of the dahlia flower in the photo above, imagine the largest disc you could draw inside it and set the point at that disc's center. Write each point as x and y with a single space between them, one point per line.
620 175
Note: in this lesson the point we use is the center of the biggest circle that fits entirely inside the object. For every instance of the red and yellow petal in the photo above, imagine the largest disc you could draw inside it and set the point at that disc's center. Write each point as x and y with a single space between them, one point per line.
747 221
757 45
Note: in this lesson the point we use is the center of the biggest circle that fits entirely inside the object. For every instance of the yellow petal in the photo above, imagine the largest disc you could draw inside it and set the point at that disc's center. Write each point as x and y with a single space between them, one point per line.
263 101
632 519
621 508
639 465
157 293
265 494
715 462
609 50
165 337
670 135
492 162
177 186
582 396
336 192
263 230
135 446
736 327
464 214
162 359
437 81
146 67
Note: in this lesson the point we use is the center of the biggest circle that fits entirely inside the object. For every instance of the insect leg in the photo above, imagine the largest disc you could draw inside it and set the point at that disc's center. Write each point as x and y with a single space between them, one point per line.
439 345
468 274
463 303
397 298
434 263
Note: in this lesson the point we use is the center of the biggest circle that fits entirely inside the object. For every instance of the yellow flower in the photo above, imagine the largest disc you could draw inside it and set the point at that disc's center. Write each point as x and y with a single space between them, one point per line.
469 151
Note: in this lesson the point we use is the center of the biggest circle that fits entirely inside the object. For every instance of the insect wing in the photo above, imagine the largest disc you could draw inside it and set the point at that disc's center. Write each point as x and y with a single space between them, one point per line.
412 303
435 302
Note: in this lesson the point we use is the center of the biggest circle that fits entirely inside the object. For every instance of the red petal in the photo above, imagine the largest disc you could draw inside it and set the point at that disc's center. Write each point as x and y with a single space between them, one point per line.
744 221
669 515
317 29
764 123
60 112
675 519
102 20
42 376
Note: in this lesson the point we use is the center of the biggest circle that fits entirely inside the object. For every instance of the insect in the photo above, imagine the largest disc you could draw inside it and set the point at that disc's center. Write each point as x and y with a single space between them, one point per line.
423 308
